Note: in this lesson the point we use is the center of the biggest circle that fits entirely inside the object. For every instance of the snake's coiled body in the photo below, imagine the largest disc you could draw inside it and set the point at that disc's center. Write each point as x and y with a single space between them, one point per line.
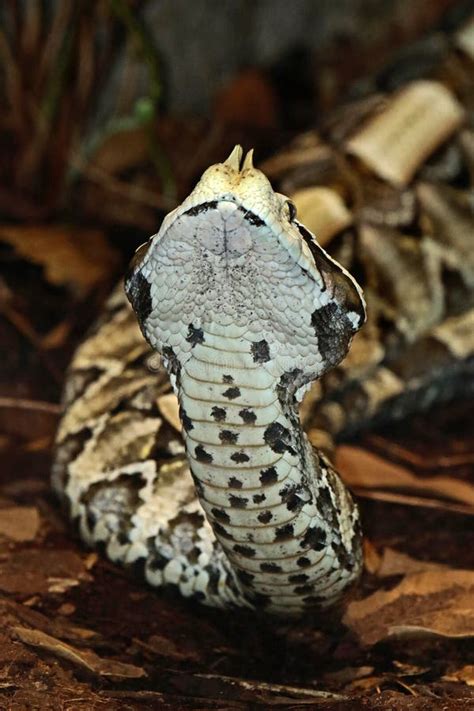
247 310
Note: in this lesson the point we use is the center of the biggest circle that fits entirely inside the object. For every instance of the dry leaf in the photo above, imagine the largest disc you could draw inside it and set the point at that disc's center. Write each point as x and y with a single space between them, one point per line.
465 674
165 647
364 470
347 675
372 557
77 259
322 211
19 523
84 658
57 336
430 603
394 562
31 572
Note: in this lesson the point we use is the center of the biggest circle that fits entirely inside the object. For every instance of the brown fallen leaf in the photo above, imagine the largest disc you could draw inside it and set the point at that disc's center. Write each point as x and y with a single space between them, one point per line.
31 572
347 675
364 470
372 557
465 674
165 647
19 523
26 418
394 562
84 658
439 603
77 259
13 613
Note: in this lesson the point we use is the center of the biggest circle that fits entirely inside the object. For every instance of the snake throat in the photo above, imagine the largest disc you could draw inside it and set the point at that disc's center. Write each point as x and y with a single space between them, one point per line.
247 310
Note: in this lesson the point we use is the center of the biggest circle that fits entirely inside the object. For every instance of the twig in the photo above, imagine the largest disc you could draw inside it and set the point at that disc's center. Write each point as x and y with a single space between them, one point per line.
149 108
407 500
32 405
421 461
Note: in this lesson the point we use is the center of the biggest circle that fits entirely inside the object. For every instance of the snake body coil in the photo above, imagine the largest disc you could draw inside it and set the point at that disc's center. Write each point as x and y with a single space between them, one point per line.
246 310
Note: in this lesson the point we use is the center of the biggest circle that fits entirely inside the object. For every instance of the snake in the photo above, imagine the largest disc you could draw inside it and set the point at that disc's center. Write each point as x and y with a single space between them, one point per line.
228 316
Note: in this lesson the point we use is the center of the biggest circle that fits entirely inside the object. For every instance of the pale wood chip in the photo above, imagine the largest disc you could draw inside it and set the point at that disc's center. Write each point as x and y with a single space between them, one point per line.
322 211
169 408
396 141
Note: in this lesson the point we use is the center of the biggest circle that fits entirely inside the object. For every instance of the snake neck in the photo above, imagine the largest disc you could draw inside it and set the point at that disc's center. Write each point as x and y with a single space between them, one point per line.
277 510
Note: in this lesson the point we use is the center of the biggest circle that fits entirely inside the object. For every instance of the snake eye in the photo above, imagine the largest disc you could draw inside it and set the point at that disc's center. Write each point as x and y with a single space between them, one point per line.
291 210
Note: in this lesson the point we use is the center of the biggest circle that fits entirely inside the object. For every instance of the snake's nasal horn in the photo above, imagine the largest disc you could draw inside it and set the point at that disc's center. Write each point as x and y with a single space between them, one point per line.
235 159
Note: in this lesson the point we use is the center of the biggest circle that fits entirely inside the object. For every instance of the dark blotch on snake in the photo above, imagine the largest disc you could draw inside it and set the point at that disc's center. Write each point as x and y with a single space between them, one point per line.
227 379
245 577
185 420
270 568
265 517
228 437
314 538
258 498
284 533
203 207
333 332
245 551
298 578
278 438
303 589
238 502
303 562
325 506
252 218
172 363
345 559
138 291
195 335
220 515
260 352
218 413
231 393
289 496
214 577
157 562
221 531
240 457
268 476
235 483
201 455
248 416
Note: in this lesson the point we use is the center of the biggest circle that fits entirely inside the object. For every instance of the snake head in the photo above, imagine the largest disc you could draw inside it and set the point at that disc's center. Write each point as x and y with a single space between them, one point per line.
233 258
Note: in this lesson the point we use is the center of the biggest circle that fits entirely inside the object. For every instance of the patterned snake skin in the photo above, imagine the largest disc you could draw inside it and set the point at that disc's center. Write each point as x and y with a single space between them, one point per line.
247 310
